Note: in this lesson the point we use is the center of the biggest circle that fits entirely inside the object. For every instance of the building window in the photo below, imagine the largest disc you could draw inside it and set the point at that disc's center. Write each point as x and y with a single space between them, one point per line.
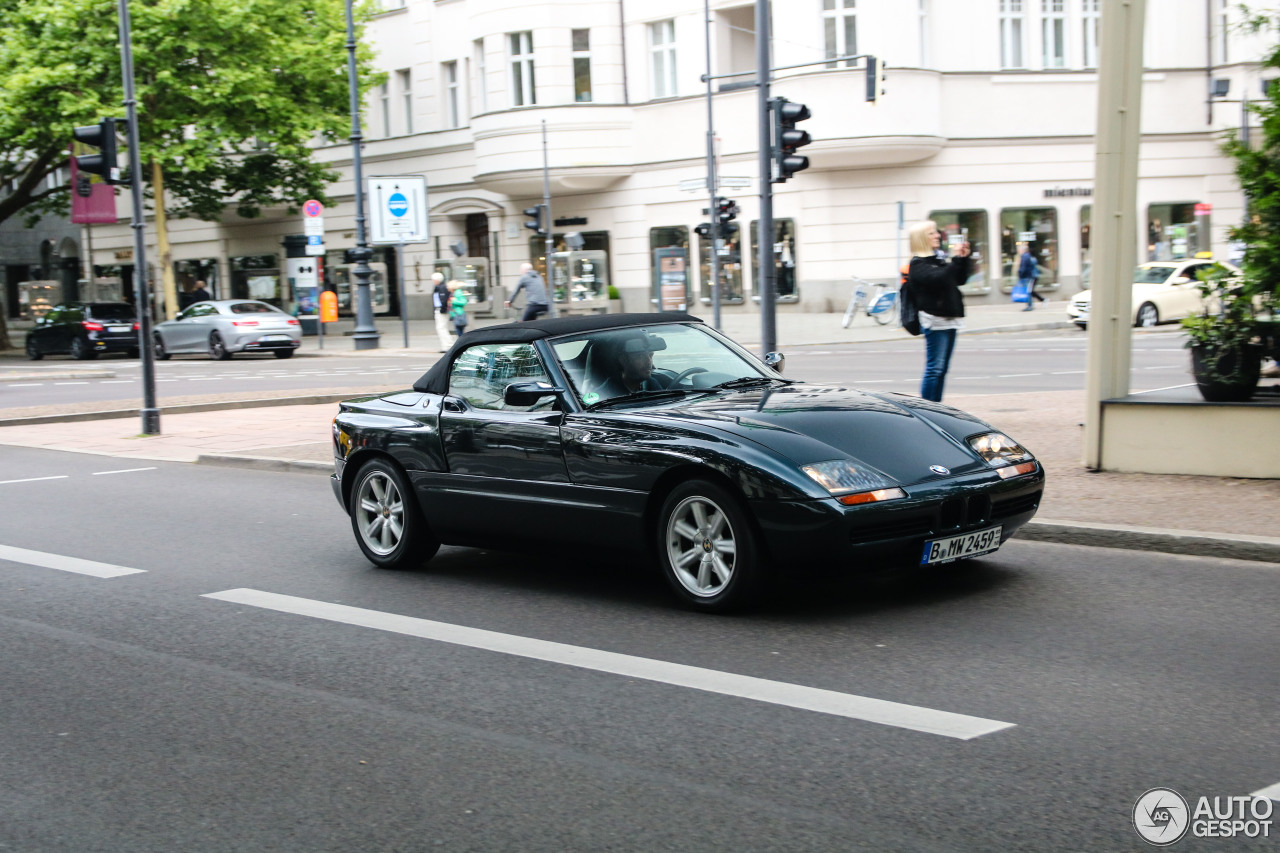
729 253
1173 232
662 57
1091 14
482 84
958 226
520 48
669 268
1222 30
257 277
406 95
922 12
839 30
384 107
449 73
582 66
390 5
576 274
1012 21
784 259
1038 228
1053 27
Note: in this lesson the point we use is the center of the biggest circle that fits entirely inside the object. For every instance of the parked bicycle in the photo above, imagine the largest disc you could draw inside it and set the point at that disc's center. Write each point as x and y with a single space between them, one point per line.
874 300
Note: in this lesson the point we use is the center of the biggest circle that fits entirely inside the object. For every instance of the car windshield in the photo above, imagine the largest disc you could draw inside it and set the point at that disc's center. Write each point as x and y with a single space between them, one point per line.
639 360
111 311
251 308
1151 275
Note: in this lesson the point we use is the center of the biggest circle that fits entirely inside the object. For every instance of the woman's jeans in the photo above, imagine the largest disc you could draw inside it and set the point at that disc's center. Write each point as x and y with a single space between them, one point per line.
938 346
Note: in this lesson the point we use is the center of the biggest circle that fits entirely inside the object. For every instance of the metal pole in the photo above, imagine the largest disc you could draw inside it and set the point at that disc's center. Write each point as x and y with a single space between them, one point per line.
366 334
150 414
549 240
713 184
765 282
404 309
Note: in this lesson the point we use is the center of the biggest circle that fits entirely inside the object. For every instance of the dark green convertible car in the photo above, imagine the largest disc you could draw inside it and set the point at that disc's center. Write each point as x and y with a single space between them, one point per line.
655 435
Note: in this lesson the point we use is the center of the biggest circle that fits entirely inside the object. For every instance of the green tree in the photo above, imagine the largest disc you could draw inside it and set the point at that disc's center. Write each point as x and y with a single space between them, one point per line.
232 97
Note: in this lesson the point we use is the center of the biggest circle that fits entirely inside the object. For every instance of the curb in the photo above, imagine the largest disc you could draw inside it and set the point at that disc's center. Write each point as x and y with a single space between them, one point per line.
1265 549
264 463
180 409
73 374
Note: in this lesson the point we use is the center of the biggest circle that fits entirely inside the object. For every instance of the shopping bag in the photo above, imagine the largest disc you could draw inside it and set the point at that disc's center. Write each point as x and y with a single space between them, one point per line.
1020 293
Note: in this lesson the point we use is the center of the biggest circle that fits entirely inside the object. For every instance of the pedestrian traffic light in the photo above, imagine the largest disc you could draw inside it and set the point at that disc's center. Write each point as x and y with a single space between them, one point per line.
703 230
726 211
103 137
875 77
535 223
786 138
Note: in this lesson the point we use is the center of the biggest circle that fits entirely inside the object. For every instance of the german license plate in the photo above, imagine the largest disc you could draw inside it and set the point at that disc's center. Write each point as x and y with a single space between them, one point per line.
275 337
119 328
958 547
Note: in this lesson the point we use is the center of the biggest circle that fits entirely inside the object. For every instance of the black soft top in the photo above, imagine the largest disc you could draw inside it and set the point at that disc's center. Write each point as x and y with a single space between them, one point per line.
436 380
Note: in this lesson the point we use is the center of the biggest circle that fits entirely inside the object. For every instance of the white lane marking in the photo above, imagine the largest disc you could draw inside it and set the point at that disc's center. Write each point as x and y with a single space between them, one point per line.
71 383
65 564
204 379
881 711
117 381
123 471
970 377
1271 792
1065 372
166 380
1016 375
25 385
35 479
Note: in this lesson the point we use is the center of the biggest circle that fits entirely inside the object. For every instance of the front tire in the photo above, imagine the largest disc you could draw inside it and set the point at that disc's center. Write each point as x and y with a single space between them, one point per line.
217 348
81 350
386 520
1148 316
707 548
157 346
33 350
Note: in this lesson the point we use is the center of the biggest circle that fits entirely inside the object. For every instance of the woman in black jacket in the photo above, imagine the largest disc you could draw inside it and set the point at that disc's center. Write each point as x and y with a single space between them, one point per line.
935 282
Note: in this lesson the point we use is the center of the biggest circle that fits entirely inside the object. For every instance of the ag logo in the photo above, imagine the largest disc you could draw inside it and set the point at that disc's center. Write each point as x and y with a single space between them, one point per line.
1161 816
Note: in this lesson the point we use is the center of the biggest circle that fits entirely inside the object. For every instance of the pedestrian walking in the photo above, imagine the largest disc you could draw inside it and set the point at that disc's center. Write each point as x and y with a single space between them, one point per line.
1028 276
200 293
440 297
458 306
934 283
535 289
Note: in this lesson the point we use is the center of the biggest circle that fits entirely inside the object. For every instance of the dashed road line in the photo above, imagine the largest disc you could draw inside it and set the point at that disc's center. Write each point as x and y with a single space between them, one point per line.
25 385
71 383
916 718
65 564
123 471
34 479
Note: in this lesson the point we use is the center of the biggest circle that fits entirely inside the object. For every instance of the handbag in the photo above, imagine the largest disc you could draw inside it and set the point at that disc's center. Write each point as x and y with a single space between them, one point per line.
1021 293
910 315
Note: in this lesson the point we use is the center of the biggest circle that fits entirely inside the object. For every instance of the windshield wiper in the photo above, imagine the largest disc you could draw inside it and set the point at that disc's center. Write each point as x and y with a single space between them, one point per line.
751 381
656 394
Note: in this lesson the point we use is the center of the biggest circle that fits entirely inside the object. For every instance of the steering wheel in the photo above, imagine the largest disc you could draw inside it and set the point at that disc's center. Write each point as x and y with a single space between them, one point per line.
684 373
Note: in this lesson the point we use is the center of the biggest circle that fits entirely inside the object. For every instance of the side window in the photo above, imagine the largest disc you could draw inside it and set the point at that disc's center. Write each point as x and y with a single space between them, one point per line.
481 374
72 314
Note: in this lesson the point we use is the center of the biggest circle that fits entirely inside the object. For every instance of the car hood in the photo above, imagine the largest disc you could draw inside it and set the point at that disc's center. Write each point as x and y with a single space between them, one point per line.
899 435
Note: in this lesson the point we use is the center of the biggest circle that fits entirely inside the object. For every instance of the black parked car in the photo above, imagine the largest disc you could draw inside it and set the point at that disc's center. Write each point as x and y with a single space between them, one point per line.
654 434
85 329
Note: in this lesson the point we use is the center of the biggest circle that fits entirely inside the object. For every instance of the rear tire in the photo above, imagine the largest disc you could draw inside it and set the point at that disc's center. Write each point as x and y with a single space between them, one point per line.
708 548
157 346
81 350
284 353
389 527
217 348
33 349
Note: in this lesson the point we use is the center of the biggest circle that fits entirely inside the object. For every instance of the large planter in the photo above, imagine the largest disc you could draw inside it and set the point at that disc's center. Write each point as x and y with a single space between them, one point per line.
1226 376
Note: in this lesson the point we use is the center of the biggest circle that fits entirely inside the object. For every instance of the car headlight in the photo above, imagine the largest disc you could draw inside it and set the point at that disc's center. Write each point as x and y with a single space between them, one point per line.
1000 451
852 483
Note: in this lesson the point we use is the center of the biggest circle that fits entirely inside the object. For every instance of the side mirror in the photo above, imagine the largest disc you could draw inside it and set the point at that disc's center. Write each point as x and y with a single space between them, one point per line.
528 393
776 360
1182 279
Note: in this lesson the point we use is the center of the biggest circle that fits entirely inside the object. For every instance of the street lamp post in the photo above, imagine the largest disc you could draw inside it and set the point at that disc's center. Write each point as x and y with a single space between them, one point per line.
366 334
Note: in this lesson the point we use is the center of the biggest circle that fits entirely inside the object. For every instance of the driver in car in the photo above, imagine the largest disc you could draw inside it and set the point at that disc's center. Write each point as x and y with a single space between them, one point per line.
633 367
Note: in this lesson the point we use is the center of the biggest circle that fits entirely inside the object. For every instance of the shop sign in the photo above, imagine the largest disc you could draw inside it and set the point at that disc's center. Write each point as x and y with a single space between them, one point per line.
1059 192
1203 209
571 220
124 254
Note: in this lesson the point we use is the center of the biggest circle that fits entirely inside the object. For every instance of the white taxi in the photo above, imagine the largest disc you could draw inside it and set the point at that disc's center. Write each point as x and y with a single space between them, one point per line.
1163 291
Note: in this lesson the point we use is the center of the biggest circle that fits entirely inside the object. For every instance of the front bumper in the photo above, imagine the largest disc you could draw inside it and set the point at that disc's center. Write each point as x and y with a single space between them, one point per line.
824 534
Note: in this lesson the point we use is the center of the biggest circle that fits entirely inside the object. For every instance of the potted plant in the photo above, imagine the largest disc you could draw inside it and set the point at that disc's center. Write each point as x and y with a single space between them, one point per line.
615 300
1226 357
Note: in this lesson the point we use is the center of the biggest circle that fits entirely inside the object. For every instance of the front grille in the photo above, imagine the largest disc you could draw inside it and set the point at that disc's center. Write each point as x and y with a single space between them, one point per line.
1016 506
892 528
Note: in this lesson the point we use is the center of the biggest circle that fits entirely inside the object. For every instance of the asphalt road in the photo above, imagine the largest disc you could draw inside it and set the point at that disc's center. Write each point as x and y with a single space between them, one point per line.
139 713
982 364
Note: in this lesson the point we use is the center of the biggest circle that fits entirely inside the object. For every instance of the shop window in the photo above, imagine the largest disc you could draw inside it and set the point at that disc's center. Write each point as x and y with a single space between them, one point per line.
958 226
257 277
784 258
1038 228
579 267
670 285
730 255
190 274
1086 255
1174 232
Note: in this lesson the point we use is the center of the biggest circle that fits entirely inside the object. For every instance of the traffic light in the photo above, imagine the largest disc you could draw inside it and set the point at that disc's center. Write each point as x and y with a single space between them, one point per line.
875 76
535 215
786 138
726 211
703 230
103 137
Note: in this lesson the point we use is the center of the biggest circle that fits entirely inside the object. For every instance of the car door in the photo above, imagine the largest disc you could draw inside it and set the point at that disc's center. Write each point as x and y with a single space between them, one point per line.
190 329
506 474
68 326
45 332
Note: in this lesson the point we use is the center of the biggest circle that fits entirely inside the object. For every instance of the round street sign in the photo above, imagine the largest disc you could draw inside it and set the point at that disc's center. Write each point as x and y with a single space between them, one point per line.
398 204
312 208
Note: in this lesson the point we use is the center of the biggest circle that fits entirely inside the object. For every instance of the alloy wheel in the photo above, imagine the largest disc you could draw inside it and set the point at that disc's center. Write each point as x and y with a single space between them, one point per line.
1148 316
379 509
701 546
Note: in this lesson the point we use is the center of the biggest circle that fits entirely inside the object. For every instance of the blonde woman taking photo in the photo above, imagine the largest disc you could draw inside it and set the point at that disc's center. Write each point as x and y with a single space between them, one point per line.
934 281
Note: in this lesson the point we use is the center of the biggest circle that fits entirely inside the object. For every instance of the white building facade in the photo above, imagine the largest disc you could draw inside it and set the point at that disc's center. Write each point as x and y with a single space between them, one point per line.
985 124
